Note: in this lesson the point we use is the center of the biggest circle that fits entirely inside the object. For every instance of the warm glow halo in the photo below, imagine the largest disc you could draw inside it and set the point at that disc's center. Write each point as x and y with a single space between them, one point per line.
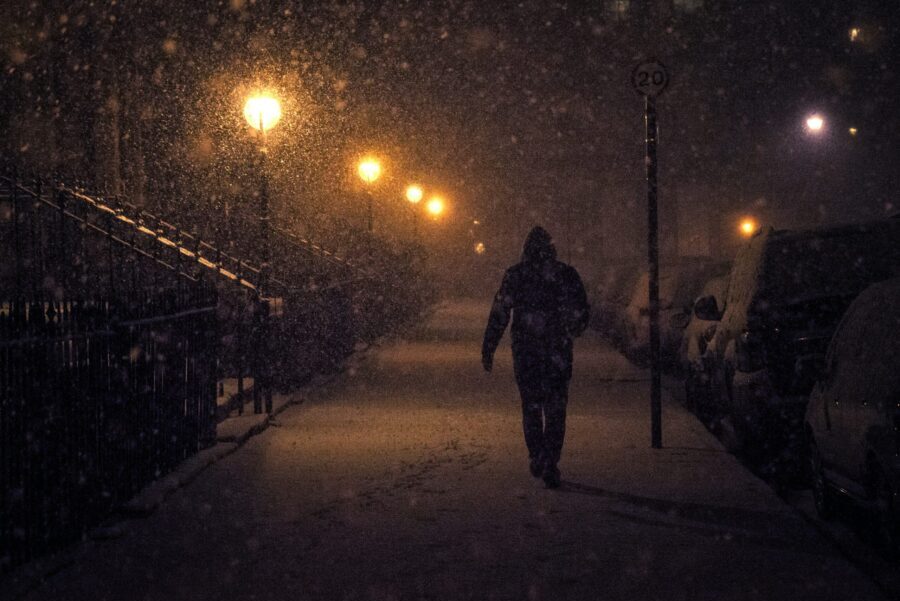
479 248
262 112
369 169
414 193
435 206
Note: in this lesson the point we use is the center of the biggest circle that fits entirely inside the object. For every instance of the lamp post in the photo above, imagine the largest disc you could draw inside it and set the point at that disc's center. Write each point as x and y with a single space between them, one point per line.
262 112
369 170
414 195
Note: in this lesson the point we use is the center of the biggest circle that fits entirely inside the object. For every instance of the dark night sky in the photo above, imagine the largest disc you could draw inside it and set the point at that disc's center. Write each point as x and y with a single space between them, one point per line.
518 112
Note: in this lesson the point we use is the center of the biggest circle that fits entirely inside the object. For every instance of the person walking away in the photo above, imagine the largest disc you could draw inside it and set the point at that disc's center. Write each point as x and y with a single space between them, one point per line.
549 309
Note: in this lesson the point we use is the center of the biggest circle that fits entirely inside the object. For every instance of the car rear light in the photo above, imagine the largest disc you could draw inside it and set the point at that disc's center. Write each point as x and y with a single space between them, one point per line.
750 352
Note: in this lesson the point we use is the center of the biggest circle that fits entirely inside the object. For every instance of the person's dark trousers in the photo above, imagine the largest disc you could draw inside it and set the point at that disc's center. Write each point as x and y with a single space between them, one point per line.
544 402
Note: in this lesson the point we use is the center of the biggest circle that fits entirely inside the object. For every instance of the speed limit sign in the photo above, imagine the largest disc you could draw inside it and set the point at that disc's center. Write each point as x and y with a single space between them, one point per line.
650 78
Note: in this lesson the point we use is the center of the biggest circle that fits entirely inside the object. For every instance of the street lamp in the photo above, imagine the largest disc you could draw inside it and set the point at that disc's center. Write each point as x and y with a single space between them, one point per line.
435 206
262 112
414 195
369 170
479 248
815 123
748 227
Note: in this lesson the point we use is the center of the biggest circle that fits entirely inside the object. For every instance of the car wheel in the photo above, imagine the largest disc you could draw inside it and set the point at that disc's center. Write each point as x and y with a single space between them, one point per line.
700 398
821 489
690 391
887 529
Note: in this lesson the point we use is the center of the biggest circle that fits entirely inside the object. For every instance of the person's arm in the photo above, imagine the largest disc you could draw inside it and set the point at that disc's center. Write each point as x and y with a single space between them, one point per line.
499 318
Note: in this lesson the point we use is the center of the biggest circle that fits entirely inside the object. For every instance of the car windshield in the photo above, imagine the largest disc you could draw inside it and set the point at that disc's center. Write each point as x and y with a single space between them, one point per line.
829 264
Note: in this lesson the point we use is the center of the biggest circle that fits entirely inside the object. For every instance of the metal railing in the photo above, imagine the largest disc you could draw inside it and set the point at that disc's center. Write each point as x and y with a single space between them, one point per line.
115 327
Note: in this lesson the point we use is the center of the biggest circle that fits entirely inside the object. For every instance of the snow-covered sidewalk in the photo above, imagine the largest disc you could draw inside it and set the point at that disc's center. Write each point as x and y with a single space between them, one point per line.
407 478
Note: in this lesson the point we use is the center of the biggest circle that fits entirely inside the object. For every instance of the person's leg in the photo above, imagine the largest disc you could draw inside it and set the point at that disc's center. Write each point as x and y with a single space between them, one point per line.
533 426
529 383
554 428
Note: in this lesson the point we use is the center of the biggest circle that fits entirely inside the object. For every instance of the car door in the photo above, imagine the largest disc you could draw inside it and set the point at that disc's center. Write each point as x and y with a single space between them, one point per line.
846 393
825 397
876 421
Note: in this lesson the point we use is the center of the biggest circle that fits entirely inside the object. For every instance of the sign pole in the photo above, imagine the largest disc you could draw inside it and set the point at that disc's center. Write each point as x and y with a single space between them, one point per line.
653 272
650 79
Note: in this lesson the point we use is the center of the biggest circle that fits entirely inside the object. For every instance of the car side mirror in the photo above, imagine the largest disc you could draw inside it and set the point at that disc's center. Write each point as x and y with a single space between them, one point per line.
707 309
679 321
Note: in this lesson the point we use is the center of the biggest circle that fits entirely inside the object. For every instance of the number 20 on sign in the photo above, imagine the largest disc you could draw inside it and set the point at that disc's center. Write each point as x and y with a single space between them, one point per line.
650 78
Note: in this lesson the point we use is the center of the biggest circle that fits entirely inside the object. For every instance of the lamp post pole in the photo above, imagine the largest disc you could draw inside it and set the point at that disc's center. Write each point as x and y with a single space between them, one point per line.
263 209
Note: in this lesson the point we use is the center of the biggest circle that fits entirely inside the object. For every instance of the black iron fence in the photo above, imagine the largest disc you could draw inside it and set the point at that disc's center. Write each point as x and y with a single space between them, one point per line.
107 364
116 325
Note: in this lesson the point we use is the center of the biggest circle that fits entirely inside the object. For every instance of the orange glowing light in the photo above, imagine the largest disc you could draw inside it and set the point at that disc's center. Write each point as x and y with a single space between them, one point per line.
748 227
369 170
414 194
436 206
262 112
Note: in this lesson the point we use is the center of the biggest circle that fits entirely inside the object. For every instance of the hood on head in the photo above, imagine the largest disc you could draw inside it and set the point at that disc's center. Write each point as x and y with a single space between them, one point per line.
538 246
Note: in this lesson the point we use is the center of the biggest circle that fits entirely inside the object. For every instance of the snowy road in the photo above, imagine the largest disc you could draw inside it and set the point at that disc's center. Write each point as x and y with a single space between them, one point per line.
408 479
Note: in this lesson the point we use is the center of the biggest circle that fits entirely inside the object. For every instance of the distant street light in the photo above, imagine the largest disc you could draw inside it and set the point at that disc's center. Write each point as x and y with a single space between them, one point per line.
854 34
853 131
435 206
815 123
414 194
748 227
479 248
369 170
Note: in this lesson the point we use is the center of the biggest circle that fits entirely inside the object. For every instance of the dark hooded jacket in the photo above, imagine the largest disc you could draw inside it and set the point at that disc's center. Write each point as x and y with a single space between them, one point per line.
549 308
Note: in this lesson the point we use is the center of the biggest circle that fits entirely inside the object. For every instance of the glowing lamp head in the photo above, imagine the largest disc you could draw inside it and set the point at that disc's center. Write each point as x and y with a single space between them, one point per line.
435 206
853 131
748 227
854 34
369 170
262 112
815 123
414 194
479 248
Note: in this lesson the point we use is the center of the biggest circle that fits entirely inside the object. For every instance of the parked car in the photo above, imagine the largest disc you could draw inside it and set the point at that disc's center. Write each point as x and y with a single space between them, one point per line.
853 417
679 285
786 294
610 300
692 352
